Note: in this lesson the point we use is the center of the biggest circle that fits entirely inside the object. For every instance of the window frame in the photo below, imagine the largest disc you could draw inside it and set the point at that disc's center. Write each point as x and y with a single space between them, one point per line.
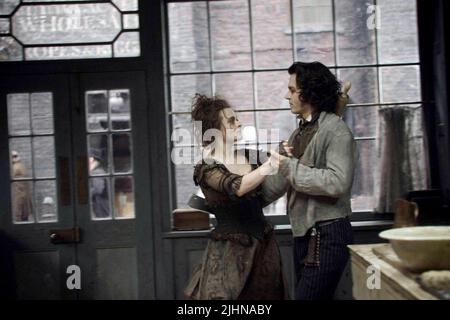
359 215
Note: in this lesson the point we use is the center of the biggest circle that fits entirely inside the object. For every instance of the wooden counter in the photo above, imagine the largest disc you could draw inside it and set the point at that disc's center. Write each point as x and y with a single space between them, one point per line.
396 283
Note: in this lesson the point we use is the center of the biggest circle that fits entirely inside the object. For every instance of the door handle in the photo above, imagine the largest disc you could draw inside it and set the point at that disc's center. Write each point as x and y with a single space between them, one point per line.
65 235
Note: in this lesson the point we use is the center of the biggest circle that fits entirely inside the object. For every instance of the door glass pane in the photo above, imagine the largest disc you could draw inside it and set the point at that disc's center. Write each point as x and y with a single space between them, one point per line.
21 158
98 154
119 104
32 158
99 195
19 114
97 111
42 112
22 201
44 157
123 197
45 200
122 153
110 154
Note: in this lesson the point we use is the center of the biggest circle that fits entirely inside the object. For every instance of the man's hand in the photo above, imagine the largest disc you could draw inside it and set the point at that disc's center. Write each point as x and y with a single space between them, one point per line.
287 148
275 159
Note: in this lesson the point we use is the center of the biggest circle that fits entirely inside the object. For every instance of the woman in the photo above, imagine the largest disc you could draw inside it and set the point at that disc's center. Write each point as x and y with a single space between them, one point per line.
242 259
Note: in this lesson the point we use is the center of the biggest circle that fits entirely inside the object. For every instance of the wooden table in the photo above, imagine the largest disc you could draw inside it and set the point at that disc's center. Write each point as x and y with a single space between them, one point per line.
396 283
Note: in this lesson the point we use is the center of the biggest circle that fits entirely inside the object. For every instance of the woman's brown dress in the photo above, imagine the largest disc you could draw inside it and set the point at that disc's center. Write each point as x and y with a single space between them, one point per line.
242 259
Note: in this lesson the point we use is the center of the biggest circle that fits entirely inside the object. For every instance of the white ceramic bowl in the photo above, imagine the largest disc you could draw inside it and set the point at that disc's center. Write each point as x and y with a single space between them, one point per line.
421 248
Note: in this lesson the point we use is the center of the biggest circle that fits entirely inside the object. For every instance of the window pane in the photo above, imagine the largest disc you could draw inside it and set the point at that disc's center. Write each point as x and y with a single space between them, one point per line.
276 208
21 158
54 24
119 104
22 201
98 154
247 119
363 183
10 49
354 39
8 6
188 32
127 45
42 112
400 84
397 36
19 114
236 88
46 201
364 84
182 129
68 52
4 25
126 5
99 195
363 121
123 197
130 21
183 89
122 153
313 29
44 157
96 111
230 34
271 89
281 122
272 42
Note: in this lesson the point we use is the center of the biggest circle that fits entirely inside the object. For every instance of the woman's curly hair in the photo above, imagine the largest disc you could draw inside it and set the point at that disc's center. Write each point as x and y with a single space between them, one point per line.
207 110
319 87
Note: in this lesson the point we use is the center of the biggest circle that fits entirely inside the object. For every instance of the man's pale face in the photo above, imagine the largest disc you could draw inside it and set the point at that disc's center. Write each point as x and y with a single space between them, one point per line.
231 124
293 96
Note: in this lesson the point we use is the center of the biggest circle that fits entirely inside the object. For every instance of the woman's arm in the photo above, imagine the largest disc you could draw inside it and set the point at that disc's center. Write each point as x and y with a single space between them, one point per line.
253 179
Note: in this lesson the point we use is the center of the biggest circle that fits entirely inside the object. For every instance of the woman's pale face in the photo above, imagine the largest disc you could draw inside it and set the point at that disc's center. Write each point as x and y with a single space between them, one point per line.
231 126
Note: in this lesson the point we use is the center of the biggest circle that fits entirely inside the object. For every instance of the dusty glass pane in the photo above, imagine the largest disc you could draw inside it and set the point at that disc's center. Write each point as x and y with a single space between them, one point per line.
21 158
42 112
8 6
362 121
364 84
236 88
400 84
363 184
10 49
182 129
44 157
68 52
230 34
46 201
123 197
119 104
122 158
273 124
4 25
98 154
22 201
355 36
188 32
131 21
183 89
126 5
96 111
99 196
397 35
272 34
127 45
313 29
185 185
271 89
18 114
66 23
247 119
52 0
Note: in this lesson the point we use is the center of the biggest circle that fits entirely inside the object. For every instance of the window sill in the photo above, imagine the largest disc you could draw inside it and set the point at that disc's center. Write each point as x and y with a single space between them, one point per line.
282 229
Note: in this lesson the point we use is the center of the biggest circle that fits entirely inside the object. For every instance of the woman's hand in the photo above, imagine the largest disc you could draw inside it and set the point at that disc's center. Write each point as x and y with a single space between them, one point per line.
275 159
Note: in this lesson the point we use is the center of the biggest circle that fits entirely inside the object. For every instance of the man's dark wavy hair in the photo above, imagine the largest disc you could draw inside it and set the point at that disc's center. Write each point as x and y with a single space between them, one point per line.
319 87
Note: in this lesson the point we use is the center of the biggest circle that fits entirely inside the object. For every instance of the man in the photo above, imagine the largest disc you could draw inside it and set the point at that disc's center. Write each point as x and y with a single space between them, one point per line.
316 169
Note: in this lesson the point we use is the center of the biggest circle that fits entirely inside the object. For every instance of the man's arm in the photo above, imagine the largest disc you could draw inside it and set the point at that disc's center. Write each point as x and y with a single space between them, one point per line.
332 181
274 187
